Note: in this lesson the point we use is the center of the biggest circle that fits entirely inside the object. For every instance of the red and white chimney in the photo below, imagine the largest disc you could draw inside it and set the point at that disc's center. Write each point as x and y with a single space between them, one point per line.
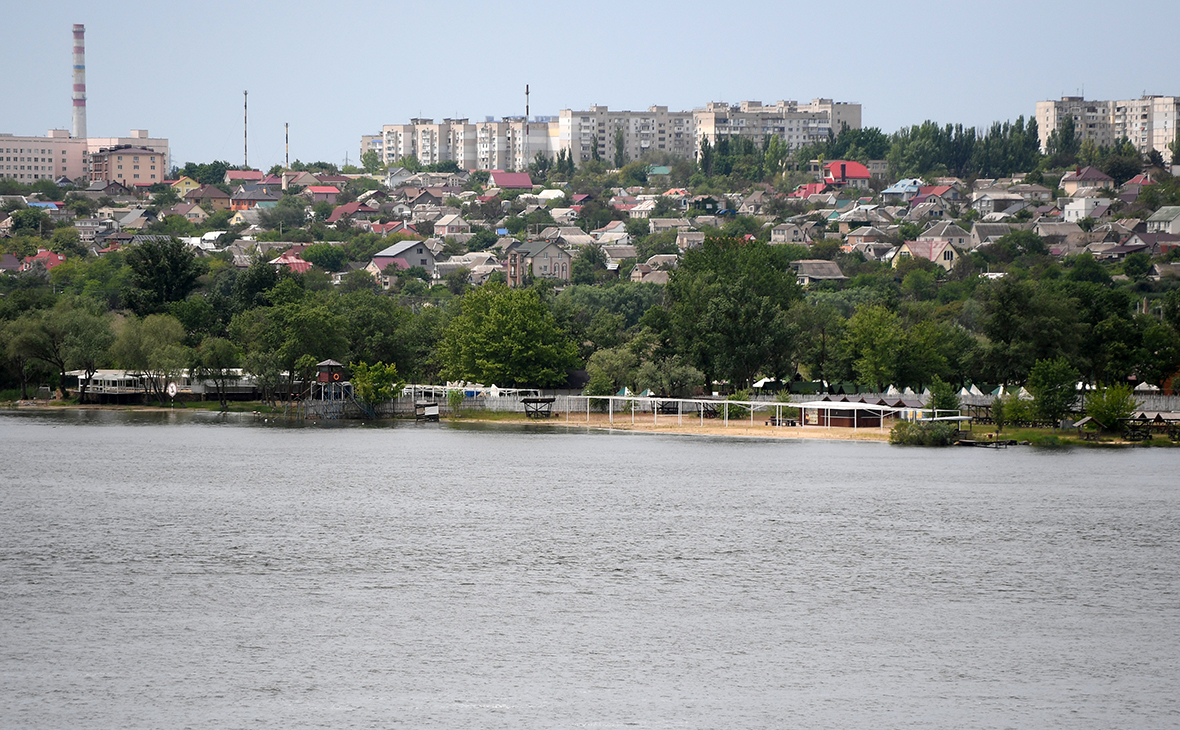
79 81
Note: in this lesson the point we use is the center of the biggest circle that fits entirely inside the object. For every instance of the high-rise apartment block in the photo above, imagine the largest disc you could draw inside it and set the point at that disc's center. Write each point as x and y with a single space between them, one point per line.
1149 122
513 142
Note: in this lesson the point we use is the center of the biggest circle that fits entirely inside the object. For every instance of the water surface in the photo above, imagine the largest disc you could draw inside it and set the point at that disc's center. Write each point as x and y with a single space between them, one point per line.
177 570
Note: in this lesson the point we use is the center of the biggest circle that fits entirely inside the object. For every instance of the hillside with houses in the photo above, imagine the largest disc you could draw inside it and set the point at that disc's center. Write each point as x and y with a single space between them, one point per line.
849 261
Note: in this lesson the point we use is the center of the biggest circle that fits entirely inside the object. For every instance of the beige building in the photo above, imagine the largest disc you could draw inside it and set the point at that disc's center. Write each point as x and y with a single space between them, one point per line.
128 166
27 159
1149 122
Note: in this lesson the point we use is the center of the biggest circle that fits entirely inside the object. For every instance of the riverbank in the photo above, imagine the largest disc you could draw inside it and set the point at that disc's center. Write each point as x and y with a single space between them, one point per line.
643 423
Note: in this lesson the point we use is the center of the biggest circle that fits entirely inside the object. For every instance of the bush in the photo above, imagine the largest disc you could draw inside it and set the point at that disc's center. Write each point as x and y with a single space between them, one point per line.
908 433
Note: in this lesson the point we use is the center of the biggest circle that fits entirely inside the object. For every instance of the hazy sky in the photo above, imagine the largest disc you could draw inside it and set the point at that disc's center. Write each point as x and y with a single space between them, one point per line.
337 70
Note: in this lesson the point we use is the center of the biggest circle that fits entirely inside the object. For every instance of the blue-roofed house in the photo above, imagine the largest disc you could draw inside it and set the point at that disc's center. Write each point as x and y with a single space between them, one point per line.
902 190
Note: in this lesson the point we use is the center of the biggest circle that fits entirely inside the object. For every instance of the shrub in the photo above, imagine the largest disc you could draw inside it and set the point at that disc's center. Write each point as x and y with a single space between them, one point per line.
908 433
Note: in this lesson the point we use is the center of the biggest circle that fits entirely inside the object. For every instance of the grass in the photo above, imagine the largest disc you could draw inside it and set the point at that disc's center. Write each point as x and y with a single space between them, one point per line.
1050 438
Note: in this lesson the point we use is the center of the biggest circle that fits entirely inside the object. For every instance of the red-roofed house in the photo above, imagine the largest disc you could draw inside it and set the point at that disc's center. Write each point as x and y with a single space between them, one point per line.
847 174
942 253
293 261
807 190
948 193
241 176
351 210
46 257
511 180
325 193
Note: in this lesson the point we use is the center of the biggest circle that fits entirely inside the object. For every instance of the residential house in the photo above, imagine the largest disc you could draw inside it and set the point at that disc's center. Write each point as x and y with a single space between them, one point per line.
615 255
537 259
983 234
809 270
404 255
930 208
244 199
946 231
9 263
1165 220
786 233
322 193
942 252
235 177
659 225
860 236
109 188
1045 228
1164 271
994 200
191 212
292 260
847 174
510 180
350 211
689 239
1032 193
184 186
948 193
210 198
752 204
1160 244
1086 177
901 191
1078 208
449 225
564 216
806 190
43 257
567 236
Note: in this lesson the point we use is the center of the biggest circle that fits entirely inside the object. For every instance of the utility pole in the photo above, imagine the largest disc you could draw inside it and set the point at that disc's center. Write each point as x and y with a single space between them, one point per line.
287 139
245 129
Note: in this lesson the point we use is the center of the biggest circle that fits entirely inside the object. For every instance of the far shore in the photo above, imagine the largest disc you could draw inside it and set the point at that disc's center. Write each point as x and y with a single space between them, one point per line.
643 423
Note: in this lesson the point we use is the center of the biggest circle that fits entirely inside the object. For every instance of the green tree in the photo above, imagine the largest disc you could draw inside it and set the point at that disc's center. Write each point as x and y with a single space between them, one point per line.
620 148
942 396
371 161
152 347
1111 405
375 384
161 272
505 336
1053 384
218 360
326 256
874 339
727 303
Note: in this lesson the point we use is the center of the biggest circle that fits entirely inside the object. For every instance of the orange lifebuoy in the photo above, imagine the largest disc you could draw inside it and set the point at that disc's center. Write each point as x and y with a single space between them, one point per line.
335 376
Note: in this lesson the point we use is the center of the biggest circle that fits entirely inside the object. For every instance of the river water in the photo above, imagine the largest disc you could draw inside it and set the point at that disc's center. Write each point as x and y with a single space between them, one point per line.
177 571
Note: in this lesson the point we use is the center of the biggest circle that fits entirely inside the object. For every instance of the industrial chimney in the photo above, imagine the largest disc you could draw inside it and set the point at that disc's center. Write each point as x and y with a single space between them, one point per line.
79 81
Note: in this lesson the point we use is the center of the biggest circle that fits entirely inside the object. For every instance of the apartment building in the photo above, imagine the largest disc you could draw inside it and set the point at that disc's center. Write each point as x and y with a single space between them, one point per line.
57 154
1149 122
655 129
28 159
798 125
511 143
128 166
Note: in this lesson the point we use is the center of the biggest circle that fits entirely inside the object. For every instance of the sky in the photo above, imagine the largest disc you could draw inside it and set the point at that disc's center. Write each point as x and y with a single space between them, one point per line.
338 70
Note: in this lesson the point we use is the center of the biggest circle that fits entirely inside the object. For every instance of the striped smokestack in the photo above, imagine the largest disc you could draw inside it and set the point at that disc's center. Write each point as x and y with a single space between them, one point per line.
79 81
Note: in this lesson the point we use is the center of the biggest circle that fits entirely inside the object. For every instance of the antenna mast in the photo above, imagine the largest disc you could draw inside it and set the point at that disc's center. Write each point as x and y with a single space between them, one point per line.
245 129
287 142
526 128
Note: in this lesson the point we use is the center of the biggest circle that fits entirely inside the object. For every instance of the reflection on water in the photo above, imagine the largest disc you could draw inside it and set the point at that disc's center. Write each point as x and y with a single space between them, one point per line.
193 569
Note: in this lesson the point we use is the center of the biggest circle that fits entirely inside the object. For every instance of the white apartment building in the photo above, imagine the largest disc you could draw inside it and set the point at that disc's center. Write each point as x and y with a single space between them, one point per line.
502 145
1149 122
654 129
